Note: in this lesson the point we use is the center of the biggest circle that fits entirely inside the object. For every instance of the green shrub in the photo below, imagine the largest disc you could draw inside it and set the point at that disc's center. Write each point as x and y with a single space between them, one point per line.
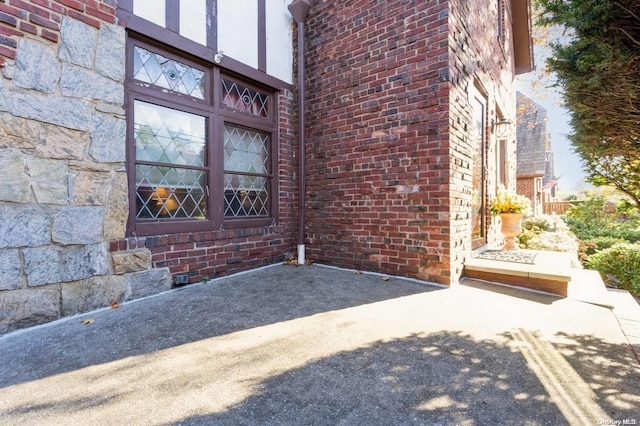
600 243
619 264
631 235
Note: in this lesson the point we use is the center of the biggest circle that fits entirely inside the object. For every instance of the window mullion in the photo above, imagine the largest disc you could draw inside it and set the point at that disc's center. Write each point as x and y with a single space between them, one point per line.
216 154
172 15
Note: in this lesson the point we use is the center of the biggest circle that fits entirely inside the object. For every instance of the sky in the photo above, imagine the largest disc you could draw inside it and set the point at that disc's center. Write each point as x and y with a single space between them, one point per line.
537 87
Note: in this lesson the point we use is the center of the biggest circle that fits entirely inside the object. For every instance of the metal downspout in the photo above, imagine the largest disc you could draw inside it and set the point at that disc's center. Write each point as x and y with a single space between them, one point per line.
299 10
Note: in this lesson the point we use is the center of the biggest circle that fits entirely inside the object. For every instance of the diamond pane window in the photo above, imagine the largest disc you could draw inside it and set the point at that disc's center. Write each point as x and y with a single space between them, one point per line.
170 160
245 150
170 193
245 195
244 99
246 164
153 68
165 135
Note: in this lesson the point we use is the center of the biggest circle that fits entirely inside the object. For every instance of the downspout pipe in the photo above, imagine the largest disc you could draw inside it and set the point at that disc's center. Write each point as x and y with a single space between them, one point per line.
299 10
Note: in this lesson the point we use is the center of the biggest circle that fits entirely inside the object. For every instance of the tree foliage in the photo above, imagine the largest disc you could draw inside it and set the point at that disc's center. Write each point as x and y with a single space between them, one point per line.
599 72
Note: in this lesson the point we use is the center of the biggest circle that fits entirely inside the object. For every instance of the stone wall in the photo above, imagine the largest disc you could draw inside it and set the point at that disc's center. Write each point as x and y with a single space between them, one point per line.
63 190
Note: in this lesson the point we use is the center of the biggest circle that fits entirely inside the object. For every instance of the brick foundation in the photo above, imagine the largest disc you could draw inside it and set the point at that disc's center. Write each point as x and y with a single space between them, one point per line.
212 254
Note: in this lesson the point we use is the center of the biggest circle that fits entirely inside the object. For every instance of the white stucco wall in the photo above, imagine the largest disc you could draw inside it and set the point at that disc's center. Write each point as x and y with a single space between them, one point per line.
238 30
237 25
279 40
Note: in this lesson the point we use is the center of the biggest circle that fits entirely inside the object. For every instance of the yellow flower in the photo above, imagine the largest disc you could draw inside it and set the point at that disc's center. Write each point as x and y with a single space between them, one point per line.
507 202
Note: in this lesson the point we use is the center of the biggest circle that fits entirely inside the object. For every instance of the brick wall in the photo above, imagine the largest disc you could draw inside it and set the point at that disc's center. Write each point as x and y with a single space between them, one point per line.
529 187
41 19
478 58
388 148
378 193
212 254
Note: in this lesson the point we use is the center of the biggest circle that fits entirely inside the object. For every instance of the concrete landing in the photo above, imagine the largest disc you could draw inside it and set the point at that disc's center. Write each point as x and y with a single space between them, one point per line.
551 272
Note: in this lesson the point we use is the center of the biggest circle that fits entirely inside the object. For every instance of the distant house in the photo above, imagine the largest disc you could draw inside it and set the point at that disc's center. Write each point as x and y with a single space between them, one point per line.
152 143
535 173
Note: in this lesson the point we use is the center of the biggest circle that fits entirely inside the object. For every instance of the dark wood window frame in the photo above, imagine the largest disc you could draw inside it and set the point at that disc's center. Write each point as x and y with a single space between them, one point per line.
216 116
170 36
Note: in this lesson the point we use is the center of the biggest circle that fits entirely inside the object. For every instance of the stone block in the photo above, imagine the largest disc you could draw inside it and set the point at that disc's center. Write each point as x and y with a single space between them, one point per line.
26 308
36 67
49 180
147 283
117 208
91 188
42 265
3 96
82 262
24 225
77 225
79 82
131 261
108 139
58 110
10 278
78 42
92 293
17 132
14 180
110 52
60 143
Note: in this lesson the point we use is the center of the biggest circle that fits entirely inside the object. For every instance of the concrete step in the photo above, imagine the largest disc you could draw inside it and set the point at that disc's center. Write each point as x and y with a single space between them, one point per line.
587 286
553 278
551 272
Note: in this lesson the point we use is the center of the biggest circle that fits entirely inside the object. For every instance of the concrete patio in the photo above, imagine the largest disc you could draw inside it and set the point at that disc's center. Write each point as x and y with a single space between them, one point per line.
319 345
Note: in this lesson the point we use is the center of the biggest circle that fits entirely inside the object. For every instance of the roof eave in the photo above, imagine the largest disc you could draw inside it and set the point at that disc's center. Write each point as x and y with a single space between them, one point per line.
522 36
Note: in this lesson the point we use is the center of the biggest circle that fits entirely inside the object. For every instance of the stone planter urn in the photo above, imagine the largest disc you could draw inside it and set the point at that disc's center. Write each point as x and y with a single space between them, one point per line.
511 227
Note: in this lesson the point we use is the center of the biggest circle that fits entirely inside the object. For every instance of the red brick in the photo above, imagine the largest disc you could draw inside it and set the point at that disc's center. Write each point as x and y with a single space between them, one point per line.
72 4
84 18
39 20
27 27
50 35
8 19
6 31
13 11
7 52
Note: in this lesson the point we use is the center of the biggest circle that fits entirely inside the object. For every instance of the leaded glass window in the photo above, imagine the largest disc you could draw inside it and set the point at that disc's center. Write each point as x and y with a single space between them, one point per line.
170 160
157 70
246 164
244 99
200 155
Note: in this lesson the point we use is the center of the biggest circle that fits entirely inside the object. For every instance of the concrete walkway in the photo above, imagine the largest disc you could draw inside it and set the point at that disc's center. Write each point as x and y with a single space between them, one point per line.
317 345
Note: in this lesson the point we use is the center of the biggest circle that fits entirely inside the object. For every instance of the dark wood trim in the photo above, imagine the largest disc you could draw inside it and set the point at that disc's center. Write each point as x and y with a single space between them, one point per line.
212 31
130 147
172 97
172 15
262 36
126 5
141 28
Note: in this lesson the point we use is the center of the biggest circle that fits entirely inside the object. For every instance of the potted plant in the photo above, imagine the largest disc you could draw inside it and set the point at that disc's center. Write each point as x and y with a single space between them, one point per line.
511 207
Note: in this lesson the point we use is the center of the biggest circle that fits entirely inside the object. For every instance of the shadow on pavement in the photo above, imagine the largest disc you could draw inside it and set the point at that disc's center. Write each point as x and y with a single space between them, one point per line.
189 314
441 378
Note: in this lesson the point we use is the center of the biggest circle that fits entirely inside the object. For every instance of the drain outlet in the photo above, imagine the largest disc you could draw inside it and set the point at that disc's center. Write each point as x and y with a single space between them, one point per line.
182 279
